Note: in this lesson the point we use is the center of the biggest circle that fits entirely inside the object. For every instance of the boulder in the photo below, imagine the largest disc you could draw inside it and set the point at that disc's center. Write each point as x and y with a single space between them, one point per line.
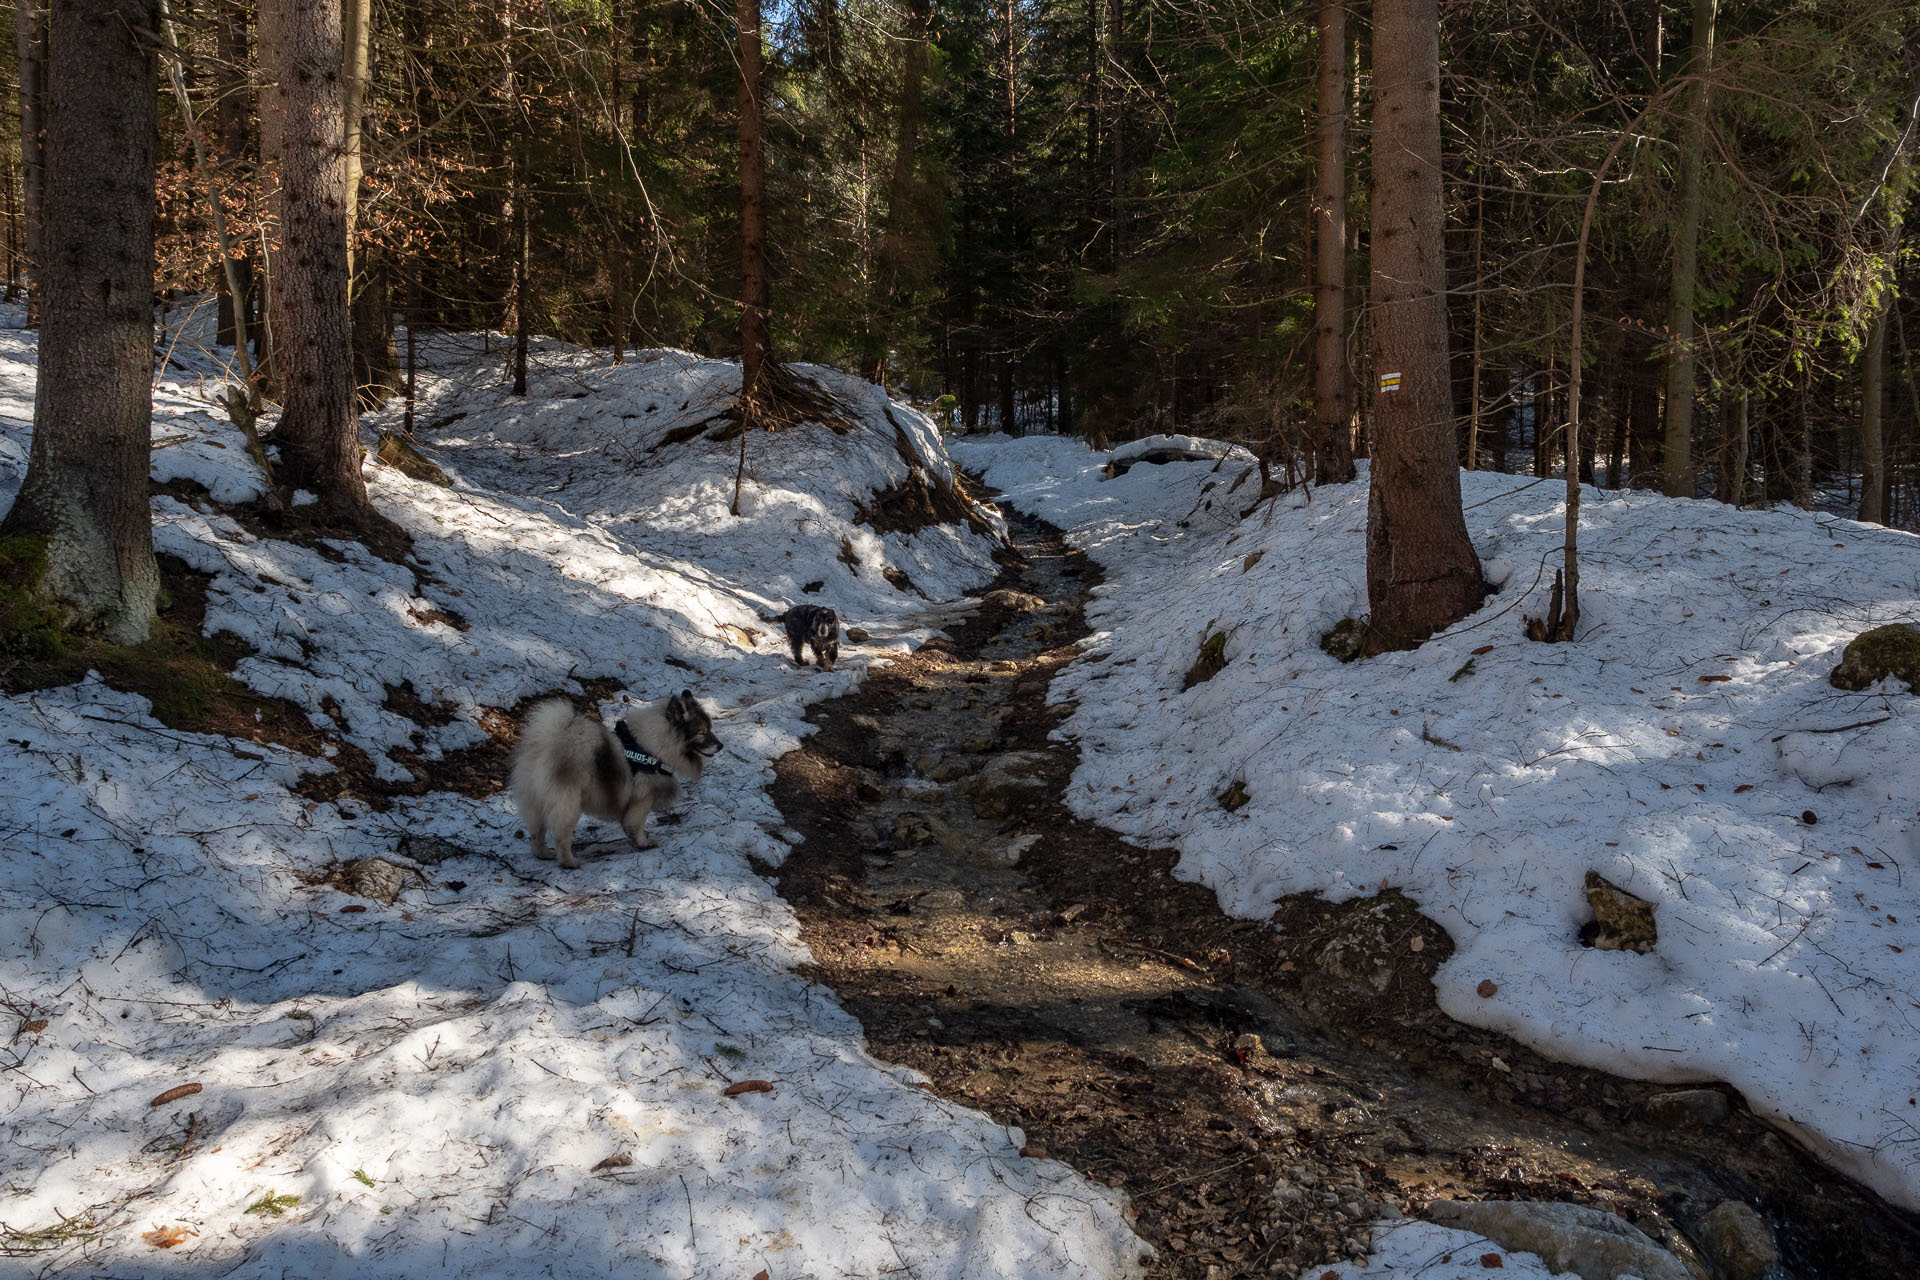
1007 782
1347 640
1872 656
1621 921
1014 601
1739 1241
1568 1237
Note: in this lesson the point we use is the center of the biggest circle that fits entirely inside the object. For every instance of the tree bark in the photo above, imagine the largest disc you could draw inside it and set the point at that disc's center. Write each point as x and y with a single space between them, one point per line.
85 491
30 33
756 338
302 139
231 112
1422 573
888 280
1873 394
356 17
1677 457
1332 413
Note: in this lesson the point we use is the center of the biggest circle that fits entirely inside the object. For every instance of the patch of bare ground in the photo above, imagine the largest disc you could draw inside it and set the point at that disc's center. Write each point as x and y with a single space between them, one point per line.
1262 1091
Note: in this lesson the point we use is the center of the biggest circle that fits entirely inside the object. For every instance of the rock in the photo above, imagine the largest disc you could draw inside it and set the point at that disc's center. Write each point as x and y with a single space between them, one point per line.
858 635
1687 1109
943 768
374 878
915 830
1366 943
429 851
1002 855
1014 601
1006 782
1567 1237
1621 920
1211 662
1739 1241
1872 656
1346 641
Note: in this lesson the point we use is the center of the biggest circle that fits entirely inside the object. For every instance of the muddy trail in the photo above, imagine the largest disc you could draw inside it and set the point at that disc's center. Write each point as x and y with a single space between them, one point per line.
1263 1092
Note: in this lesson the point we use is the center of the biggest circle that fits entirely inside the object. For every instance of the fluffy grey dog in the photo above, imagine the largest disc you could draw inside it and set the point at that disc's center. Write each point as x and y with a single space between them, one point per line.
568 764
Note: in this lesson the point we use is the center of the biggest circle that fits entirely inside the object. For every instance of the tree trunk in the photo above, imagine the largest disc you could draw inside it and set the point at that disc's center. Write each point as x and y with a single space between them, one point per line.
85 491
1873 446
1422 573
1677 457
301 137
231 112
1730 479
756 338
30 31
1332 414
356 18
376 357
888 279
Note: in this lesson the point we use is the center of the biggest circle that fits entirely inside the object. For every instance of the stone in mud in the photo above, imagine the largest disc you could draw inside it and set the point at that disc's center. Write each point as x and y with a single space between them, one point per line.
916 830
1687 1109
1739 1241
1364 947
1007 782
1567 1237
943 768
1003 854
1016 601
1621 921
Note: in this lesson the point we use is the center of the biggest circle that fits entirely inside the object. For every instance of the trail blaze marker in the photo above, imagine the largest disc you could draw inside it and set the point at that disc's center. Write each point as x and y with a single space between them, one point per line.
1389 382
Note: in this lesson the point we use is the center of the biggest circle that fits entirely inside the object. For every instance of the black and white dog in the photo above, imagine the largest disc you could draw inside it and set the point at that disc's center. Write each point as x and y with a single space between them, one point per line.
568 764
811 626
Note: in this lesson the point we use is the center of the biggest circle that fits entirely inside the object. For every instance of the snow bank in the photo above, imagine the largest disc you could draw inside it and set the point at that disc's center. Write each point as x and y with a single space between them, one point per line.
1198 445
511 1068
1688 748
1404 1249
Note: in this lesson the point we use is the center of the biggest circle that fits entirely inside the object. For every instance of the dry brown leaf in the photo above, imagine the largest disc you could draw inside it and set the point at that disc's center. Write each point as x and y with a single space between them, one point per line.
1032 1152
167 1237
176 1093
1487 987
739 1087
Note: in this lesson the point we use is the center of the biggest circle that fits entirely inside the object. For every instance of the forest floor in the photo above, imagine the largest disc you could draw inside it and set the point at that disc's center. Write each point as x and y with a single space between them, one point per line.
1263 1095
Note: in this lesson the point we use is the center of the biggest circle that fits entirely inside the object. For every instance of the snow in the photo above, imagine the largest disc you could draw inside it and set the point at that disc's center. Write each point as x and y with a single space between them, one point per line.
440 1081
1184 444
1407 1249
1688 747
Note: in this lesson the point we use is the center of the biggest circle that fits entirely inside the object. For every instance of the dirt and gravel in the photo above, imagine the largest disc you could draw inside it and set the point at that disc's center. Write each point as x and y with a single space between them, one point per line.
1263 1091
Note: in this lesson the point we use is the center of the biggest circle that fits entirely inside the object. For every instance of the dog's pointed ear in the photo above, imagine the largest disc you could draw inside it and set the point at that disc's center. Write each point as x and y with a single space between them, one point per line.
687 694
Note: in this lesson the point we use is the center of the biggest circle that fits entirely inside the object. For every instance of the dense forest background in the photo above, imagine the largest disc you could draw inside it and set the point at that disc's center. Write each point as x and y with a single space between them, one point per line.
1099 215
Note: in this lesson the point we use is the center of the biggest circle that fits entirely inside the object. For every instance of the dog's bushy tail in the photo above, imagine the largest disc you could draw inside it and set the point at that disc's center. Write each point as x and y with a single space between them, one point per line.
546 720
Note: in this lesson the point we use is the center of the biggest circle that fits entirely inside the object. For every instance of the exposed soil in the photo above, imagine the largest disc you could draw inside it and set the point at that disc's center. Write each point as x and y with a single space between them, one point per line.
1262 1091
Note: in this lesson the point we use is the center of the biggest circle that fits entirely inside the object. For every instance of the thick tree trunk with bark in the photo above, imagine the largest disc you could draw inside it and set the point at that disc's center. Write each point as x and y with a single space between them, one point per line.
302 131
1332 414
1677 459
756 339
85 490
1422 573
30 32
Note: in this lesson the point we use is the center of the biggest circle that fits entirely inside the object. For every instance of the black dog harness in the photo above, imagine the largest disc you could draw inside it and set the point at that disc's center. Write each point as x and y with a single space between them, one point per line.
637 760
